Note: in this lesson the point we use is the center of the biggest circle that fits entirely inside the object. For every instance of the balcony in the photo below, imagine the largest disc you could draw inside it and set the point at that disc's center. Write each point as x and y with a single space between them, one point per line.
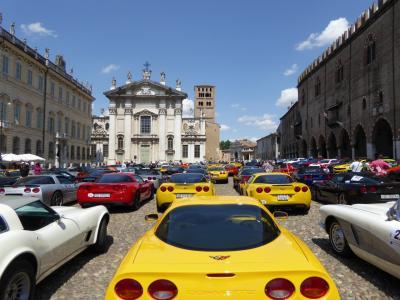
170 151
119 151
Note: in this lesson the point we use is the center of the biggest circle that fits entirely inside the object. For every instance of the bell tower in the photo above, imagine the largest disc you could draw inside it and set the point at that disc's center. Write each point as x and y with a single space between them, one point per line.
204 104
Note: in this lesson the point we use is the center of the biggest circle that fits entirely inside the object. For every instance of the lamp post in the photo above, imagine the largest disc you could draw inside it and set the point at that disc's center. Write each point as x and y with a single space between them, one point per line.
1 125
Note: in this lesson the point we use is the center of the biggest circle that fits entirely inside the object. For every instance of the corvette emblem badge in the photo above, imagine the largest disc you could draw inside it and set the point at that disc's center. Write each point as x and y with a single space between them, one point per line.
219 257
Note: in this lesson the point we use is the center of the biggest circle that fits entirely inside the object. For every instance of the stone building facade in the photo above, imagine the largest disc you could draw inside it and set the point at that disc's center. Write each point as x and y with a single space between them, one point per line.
99 139
146 124
243 150
43 109
267 147
349 97
204 107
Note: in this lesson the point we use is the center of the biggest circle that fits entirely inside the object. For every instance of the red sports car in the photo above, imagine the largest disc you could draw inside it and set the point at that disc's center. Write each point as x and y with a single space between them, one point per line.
232 170
116 189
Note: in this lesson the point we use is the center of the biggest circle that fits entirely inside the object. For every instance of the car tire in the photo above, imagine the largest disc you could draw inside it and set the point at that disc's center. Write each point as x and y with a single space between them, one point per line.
151 195
314 194
338 240
101 241
18 278
136 201
305 210
57 199
160 208
342 199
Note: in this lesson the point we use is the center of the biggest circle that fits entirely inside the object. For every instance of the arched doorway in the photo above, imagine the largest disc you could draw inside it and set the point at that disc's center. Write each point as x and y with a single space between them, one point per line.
345 148
322 146
314 150
382 137
332 146
360 142
304 148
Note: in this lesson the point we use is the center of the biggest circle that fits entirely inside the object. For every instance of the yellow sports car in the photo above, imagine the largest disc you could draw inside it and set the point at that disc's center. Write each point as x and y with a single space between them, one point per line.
222 247
278 190
183 185
164 168
341 168
218 174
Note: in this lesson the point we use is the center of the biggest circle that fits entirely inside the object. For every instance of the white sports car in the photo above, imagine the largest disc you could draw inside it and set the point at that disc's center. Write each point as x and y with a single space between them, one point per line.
36 239
370 231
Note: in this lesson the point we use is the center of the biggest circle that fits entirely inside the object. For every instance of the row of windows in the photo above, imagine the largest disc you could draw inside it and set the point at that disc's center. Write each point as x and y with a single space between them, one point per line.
204 95
204 89
369 58
69 100
76 128
208 103
185 151
81 152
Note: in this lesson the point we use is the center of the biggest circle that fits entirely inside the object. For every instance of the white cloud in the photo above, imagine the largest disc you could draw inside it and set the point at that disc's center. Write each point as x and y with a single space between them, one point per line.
334 29
37 28
287 97
224 127
292 70
238 107
264 122
187 108
109 68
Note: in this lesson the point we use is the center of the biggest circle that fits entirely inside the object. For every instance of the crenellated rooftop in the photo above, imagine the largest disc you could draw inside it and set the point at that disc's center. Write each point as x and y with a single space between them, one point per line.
353 30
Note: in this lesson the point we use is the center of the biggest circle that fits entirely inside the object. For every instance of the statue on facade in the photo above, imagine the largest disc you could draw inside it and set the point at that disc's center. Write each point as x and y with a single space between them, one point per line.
129 77
178 84
162 77
1 18
12 28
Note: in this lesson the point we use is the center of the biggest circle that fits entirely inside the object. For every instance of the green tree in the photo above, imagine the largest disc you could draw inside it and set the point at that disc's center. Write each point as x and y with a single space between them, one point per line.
224 145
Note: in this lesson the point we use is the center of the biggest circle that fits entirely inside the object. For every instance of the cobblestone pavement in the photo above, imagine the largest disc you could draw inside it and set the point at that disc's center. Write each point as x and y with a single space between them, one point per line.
87 276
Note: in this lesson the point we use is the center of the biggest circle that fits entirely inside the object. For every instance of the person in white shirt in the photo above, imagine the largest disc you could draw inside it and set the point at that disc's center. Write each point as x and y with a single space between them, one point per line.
356 166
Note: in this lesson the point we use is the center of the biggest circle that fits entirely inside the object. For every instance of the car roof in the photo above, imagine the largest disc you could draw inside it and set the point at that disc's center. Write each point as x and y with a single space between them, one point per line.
16 201
215 200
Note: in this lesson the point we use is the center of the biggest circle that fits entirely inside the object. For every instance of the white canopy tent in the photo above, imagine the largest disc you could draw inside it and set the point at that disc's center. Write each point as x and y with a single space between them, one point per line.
10 157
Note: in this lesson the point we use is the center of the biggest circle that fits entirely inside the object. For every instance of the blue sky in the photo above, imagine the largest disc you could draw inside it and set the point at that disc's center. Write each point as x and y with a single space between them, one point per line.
251 51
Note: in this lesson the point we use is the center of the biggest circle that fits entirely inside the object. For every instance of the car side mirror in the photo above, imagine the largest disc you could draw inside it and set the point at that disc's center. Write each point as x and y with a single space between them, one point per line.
151 217
280 215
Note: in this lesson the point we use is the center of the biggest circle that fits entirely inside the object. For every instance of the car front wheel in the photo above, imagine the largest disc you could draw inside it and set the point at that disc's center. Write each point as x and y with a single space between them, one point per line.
338 240
18 281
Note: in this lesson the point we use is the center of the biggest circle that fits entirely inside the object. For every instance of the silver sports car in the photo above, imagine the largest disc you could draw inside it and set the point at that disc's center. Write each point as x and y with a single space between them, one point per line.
51 189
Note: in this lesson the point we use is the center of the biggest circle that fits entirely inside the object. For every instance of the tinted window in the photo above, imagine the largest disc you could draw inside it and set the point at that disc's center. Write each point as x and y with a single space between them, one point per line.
64 180
147 172
251 171
338 178
194 171
216 169
217 227
35 215
139 179
114 179
3 225
187 178
273 179
35 180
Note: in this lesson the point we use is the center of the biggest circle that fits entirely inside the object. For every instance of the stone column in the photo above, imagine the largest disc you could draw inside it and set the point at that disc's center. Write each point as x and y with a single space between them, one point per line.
128 132
353 152
112 135
57 158
191 152
161 132
178 134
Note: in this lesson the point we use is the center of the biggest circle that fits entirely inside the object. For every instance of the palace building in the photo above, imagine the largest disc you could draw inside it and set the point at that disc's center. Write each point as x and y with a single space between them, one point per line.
145 123
349 97
44 110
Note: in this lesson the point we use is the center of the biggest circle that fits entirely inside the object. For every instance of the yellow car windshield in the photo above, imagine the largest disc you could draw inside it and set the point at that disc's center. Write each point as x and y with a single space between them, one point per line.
226 227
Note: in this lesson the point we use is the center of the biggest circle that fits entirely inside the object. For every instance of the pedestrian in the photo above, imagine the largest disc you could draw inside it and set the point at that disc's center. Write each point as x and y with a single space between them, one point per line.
37 169
24 169
356 166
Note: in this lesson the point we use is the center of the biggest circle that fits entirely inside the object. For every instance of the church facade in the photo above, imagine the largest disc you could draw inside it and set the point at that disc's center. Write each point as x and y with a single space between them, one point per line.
145 123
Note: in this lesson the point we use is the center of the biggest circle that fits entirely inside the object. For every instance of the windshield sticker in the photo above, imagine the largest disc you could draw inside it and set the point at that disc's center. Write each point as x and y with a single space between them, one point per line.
395 238
356 178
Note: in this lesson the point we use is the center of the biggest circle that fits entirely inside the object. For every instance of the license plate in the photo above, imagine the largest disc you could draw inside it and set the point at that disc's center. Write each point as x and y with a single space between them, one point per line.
184 195
283 197
393 196
105 195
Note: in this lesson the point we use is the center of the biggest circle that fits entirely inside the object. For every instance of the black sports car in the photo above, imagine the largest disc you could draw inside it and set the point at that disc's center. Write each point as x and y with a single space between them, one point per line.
311 175
350 188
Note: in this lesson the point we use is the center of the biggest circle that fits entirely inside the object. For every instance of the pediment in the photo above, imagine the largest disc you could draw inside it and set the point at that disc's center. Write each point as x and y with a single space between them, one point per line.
145 112
145 88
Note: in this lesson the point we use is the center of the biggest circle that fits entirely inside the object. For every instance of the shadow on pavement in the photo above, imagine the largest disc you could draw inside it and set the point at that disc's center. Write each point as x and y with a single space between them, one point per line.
49 286
382 280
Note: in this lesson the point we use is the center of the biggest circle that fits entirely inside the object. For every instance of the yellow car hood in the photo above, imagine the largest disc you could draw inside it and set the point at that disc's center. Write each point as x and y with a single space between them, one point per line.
280 254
